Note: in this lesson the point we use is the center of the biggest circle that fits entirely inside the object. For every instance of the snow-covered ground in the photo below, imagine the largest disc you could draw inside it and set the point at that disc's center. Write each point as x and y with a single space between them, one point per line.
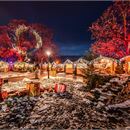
76 108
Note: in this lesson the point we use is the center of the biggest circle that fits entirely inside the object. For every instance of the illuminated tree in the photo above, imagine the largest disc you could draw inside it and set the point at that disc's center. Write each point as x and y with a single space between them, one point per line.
111 31
19 40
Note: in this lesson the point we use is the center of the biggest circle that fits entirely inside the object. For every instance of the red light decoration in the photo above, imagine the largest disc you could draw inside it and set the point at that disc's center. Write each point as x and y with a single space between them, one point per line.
20 39
111 31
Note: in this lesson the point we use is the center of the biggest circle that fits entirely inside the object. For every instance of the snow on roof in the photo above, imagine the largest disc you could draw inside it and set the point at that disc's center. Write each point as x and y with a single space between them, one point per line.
60 65
53 63
68 62
103 57
81 60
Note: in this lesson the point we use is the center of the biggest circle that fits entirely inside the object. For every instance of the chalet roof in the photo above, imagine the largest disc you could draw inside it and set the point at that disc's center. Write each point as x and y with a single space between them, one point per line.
53 63
81 60
103 57
68 62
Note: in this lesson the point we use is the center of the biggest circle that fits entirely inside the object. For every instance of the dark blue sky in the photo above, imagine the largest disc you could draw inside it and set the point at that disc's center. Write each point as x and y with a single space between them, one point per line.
69 20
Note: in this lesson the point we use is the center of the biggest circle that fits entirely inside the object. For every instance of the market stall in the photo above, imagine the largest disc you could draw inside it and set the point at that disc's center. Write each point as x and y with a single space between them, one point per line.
4 66
126 63
60 68
69 66
23 67
53 69
80 64
104 65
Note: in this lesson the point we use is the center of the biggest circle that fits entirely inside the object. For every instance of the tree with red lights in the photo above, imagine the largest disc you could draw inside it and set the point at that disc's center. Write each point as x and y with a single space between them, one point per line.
20 39
111 31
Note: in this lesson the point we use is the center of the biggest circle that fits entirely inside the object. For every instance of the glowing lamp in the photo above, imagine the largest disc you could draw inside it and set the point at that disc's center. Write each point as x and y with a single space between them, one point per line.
48 53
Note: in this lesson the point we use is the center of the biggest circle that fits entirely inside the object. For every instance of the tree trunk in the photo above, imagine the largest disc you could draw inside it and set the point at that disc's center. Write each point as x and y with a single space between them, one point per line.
125 33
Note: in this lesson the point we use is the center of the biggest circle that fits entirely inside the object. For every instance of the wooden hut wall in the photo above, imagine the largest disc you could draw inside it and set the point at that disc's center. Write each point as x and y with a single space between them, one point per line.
79 68
104 64
126 64
60 68
69 68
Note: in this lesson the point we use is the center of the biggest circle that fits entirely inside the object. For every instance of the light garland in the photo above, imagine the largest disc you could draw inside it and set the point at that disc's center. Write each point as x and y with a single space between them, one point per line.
21 29
38 39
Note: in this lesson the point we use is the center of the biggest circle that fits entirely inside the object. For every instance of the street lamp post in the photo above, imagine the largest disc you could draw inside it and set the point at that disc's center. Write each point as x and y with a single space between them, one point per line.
48 54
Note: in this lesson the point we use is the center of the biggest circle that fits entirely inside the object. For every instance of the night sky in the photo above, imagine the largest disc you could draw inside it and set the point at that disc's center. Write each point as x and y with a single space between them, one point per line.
69 20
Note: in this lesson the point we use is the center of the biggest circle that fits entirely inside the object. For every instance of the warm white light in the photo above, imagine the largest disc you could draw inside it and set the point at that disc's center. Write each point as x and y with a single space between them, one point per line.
48 53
